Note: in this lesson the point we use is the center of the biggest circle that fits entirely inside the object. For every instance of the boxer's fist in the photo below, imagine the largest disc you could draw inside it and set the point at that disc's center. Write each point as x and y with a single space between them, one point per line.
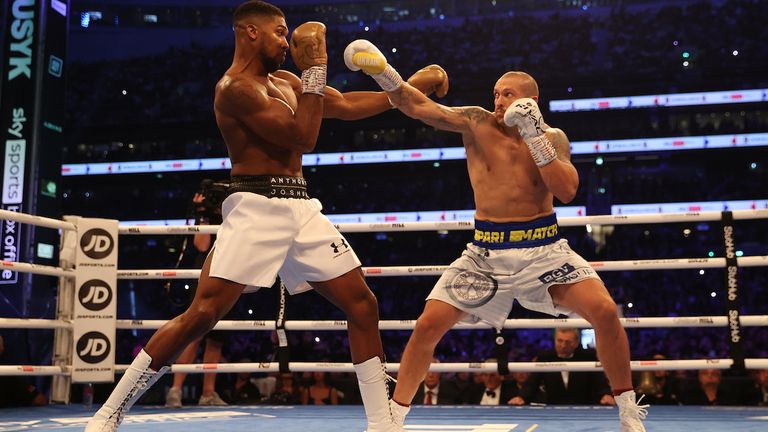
431 79
308 45
362 54
525 115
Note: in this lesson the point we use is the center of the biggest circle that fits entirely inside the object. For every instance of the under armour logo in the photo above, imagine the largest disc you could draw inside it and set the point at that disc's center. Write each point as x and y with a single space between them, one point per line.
336 247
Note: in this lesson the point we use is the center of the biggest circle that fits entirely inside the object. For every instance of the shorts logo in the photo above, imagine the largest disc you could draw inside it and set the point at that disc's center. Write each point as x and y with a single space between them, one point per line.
336 247
471 289
557 275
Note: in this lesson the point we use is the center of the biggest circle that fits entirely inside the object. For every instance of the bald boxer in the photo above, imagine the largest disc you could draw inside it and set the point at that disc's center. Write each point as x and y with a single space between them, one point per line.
268 118
517 164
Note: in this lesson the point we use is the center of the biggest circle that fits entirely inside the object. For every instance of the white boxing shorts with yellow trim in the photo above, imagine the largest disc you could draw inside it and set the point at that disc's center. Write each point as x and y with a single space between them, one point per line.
485 282
262 237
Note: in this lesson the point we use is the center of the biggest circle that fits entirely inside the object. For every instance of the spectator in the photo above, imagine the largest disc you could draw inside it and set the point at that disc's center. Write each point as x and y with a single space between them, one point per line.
492 391
759 394
319 391
436 391
659 386
571 388
708 391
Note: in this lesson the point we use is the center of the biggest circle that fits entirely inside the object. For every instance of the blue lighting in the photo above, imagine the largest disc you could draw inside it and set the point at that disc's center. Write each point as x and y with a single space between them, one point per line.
85 19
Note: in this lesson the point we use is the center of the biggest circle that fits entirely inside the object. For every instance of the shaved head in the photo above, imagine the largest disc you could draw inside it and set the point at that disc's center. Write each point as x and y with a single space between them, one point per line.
523 82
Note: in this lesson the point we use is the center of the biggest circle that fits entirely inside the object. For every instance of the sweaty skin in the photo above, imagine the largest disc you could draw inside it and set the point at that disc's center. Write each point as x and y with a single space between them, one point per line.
265 120
509 187
507 184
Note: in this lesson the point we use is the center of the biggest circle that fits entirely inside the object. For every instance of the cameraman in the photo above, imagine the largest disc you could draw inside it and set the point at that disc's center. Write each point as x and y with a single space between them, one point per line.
207 211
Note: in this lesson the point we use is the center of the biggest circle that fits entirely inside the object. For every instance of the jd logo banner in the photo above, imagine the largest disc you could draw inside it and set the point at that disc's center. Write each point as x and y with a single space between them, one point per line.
97 243
93 347
95 295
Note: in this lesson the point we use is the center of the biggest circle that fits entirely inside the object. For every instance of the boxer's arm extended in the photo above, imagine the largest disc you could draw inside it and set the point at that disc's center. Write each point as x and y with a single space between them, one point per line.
415 104
560 175
343 106
354 105
271 118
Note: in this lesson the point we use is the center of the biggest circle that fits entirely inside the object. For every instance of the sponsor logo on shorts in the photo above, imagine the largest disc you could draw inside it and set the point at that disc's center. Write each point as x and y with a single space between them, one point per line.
339 247
565 274
471 289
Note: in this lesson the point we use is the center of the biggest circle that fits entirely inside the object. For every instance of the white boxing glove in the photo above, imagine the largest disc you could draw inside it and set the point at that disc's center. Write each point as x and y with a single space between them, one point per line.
524 114
363 55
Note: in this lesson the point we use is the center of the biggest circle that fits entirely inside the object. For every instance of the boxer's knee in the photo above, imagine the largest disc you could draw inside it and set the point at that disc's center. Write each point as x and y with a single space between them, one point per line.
603 314
363 308
429 329
201 317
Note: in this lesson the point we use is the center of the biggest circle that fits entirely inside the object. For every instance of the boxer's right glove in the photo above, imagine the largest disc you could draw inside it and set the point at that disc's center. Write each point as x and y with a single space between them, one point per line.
525 115
363 55
308 52
430 79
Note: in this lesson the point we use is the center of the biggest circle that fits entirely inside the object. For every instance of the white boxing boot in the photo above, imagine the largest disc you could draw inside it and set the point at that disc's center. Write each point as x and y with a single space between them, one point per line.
372 379
135 381
631 413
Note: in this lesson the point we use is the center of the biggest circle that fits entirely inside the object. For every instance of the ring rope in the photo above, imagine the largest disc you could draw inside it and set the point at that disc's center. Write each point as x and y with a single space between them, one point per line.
521 323
588 366
38 269
651 218
654 264
36 220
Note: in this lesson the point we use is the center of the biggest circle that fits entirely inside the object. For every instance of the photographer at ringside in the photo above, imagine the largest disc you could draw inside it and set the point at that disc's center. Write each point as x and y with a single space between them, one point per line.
206 205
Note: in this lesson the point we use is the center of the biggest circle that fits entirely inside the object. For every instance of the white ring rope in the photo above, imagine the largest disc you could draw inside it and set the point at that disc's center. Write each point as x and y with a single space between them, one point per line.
525 323
636 365
654 264
651 218
658 264
16 370
522 323
38 269
36 220
30 323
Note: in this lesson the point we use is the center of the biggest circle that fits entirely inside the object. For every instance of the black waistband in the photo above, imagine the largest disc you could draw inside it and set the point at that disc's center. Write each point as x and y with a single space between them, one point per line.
270 186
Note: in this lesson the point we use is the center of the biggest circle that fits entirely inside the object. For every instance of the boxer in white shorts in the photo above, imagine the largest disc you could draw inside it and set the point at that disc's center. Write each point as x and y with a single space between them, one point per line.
489 276
275 228
516 164
269 118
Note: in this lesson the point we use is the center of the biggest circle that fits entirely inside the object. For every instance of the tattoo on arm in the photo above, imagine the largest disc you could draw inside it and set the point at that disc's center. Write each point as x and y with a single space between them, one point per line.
561 143
472 114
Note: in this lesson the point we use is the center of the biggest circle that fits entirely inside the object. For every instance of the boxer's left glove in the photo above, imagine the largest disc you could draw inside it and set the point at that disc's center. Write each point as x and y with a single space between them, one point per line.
308 52
525 115
363 55
431 79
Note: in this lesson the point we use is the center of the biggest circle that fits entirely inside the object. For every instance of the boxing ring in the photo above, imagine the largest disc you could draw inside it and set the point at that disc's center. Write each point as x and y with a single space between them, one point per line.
67 417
